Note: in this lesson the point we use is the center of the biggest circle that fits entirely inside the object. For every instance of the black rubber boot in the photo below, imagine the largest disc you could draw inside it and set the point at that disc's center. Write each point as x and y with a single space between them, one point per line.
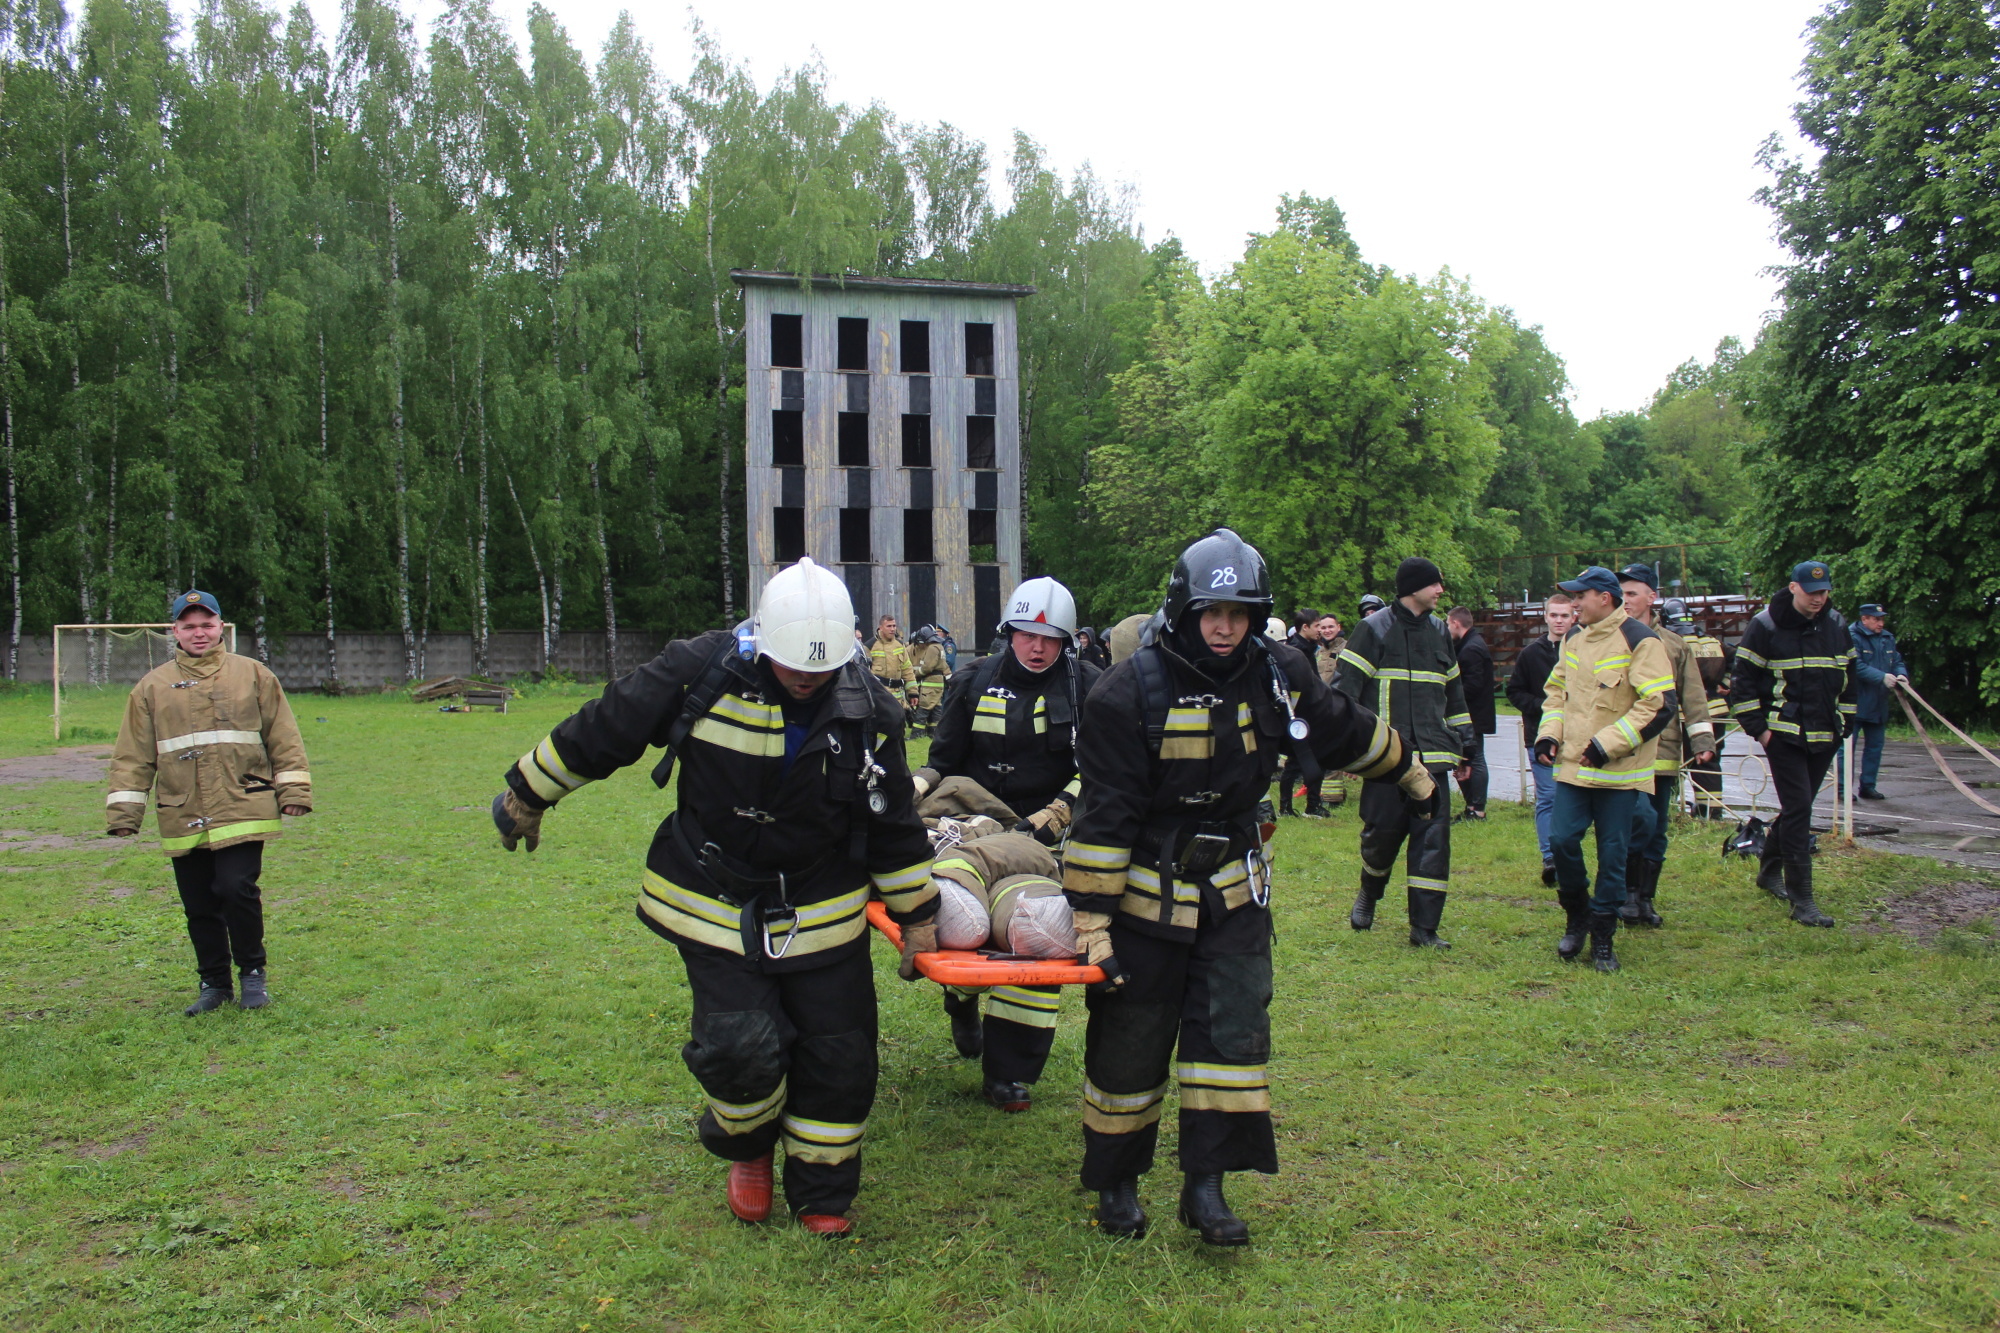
1362 917
1771 878
1204 1209
1318 809
965 1032
1119 1212
1285 801
1649 884
1426 913
1799 890
211 997
1010 1097
1602 929
1635 882
255 995
1576 924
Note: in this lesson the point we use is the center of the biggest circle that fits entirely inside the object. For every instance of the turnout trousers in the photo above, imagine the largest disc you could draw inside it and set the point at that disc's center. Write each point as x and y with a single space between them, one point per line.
1212 997
1706 779
1651 817
1577 810
1017 1031
225 908
1797 774
1386 822
786 1061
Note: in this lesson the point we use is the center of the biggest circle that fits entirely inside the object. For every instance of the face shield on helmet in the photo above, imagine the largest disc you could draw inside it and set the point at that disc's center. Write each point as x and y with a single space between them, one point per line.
1041 606
805 619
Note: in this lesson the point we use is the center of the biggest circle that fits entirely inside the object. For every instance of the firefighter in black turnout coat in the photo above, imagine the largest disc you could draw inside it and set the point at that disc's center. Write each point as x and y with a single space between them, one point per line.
1009 723
795 807
1166 873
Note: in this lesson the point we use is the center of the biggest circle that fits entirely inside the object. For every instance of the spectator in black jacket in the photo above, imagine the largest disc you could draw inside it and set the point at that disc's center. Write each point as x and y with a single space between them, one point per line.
1524 691
1475 670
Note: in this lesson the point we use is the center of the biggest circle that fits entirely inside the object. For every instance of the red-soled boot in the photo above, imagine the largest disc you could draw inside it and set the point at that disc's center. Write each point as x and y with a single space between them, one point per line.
750 1189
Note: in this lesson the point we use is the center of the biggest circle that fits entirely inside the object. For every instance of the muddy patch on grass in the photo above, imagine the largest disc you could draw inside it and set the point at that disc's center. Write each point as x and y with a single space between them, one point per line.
115 1148
1927 912
75 763
1758 1055
21 840
341 1185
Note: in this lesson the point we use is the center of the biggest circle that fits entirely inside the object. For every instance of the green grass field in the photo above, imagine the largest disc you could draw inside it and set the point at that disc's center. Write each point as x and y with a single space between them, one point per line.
467 1109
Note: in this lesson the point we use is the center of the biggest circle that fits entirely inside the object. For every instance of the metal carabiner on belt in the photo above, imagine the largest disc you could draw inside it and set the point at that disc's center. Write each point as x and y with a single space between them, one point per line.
1260 877
766 916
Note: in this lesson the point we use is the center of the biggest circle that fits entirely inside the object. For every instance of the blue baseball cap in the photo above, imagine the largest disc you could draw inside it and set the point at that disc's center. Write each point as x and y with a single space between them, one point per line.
189 600
1596 578
1640 573
1873 609
1812 576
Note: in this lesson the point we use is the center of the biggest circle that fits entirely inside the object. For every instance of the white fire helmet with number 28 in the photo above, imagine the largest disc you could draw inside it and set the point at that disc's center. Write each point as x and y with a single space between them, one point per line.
1041 606
805 619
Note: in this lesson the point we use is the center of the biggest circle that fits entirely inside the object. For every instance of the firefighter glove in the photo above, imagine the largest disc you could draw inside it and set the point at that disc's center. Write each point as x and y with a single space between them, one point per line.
516 821
925 779
1093 943
1417 783
918 937
1545 750
1594 756
1047 823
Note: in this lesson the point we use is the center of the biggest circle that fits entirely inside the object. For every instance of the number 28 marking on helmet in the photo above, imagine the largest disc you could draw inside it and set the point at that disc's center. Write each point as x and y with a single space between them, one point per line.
1223 578
816 652
1021 608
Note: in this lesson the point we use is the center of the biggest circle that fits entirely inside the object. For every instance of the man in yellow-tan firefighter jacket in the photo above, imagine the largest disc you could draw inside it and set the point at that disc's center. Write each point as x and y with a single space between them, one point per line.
1604 706
211 735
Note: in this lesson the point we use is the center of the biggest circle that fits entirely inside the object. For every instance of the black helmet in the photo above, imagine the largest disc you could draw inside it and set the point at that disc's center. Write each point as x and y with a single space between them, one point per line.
1221 567
924 634
1370 604
1674 614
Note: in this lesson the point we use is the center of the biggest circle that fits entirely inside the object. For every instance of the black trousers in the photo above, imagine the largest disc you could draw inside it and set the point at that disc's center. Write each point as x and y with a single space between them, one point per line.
1386 822
225 908
1706 779
1213 996
1018 1031
1797 773
1473 789
787 1058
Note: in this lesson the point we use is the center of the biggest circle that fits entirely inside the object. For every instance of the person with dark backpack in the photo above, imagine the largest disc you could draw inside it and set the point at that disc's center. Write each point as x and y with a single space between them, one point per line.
1166 871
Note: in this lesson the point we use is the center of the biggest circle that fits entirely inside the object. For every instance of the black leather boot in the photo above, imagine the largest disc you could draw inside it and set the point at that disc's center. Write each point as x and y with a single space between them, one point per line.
1204 1209
1009 1097
1635 884
1363 915
965 1030
1548 874
1602 928
1119 1212
1576 925
1285 801
1771 878
211 997
1649 884
1426 914
1799 890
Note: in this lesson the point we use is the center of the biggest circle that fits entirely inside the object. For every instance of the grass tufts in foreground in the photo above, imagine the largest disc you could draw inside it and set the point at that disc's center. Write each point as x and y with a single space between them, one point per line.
467 1110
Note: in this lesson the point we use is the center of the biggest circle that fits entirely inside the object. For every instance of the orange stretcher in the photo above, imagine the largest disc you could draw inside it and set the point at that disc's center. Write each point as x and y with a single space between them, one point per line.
967 967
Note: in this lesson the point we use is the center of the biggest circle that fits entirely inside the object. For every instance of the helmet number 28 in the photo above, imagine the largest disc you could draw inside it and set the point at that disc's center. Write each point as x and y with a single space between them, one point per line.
816 651
1223 578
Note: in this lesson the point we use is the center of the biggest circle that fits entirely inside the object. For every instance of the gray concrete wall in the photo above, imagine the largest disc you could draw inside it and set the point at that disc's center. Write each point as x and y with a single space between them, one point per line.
368 661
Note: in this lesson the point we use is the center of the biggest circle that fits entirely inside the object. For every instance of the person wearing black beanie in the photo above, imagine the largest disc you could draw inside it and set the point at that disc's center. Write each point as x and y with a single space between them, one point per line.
1400 664
1415 574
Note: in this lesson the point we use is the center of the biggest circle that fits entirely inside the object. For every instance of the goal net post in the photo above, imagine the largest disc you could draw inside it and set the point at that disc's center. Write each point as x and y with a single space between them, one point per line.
95 656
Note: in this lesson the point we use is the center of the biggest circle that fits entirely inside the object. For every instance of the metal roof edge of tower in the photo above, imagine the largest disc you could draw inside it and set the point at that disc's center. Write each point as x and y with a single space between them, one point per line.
745 277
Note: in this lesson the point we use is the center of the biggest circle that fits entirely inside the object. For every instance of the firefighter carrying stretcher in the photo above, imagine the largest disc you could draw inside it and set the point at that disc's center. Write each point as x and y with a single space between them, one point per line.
1171 890
795 806
1009 723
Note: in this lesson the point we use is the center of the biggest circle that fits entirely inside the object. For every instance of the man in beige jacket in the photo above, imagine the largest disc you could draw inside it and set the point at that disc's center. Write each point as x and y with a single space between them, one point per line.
212 734
1606 702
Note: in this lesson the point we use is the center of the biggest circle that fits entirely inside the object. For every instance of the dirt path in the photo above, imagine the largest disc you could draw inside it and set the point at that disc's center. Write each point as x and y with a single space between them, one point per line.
75 763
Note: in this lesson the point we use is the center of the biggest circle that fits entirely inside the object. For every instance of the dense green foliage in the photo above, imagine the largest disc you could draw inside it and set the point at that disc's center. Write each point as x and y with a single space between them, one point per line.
467 1109
1881 392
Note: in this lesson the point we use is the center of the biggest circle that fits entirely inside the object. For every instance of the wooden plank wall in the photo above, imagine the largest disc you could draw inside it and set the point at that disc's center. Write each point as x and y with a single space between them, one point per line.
888 399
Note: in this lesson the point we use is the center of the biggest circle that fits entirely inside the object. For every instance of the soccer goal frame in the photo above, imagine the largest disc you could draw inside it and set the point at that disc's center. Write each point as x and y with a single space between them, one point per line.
55 652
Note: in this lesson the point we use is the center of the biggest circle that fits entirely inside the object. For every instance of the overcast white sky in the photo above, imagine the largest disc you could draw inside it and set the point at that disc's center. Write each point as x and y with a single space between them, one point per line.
1589 163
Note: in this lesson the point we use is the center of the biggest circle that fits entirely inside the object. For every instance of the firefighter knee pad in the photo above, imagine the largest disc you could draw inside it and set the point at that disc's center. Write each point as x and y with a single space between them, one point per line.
835 1075
1239 1007
1129 1043
736 1057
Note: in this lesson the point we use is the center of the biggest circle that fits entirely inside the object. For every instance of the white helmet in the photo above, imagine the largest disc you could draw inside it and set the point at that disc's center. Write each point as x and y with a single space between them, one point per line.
805 619
1041 606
